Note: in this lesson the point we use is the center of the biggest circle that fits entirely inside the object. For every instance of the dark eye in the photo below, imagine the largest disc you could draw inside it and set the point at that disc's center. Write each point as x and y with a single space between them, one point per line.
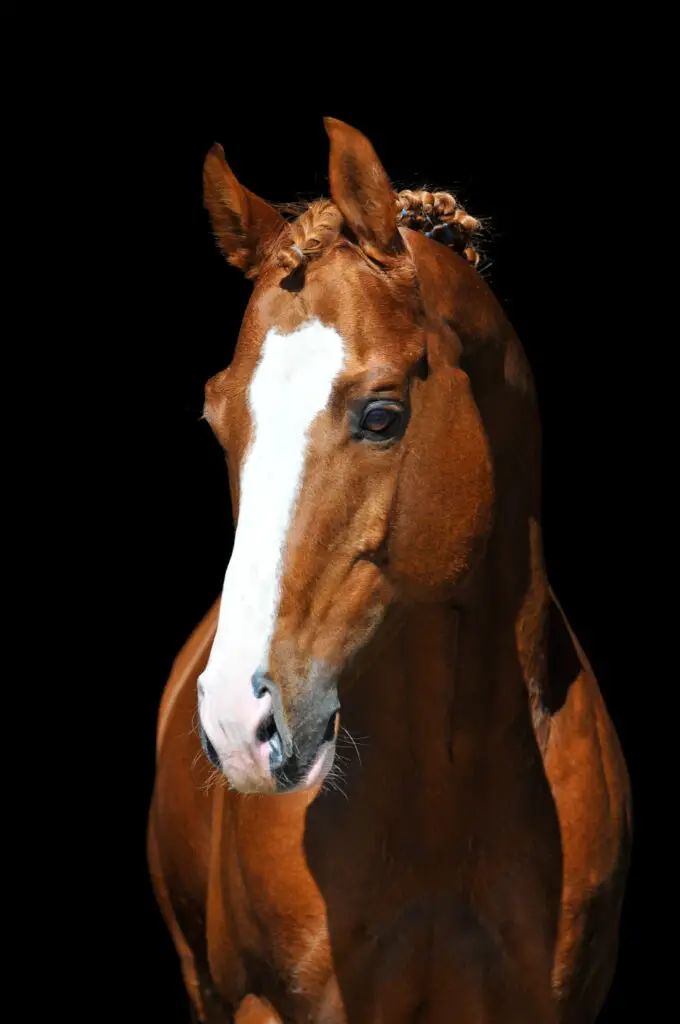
380 421
378 418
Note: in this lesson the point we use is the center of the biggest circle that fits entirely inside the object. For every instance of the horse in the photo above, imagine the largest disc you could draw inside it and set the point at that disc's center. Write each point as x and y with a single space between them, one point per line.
387 785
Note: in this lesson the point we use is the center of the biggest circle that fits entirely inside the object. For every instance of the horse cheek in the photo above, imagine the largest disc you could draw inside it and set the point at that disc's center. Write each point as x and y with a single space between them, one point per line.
445 495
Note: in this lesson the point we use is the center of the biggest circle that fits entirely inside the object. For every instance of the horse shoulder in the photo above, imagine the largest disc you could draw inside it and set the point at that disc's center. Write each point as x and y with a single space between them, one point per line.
589 781
180 818
186 668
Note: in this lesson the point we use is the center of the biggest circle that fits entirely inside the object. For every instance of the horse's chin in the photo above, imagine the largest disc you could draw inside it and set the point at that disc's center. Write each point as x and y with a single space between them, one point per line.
321 767
269 785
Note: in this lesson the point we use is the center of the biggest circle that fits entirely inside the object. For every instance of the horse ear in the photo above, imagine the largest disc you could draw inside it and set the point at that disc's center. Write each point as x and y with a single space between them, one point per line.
245 226
361 190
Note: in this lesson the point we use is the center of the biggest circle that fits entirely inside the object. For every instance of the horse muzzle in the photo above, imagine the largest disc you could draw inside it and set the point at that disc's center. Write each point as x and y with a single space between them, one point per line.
271 750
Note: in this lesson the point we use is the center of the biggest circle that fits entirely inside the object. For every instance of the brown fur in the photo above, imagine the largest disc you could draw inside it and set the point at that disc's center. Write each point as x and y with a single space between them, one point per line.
471 864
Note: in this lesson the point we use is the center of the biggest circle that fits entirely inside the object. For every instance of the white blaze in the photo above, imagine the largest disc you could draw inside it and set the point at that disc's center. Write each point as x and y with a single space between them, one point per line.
291 385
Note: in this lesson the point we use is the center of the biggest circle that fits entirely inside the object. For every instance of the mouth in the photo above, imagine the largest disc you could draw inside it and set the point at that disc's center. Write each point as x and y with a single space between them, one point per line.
271 766
295 775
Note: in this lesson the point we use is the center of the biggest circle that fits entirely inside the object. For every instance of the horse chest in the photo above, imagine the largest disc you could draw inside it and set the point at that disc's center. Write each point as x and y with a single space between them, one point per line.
383 944
307 905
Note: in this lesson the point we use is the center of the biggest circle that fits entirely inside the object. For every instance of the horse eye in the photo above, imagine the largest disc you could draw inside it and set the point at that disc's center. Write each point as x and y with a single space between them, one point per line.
380 421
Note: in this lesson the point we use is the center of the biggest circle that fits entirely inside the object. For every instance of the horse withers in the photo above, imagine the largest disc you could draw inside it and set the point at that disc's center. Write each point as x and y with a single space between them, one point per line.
411 803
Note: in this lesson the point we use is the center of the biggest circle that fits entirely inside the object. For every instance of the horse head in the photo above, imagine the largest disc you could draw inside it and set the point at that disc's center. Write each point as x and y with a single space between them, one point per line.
363 458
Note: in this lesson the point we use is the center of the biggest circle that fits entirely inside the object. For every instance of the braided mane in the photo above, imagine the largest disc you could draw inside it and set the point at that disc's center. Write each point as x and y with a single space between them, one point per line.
436 214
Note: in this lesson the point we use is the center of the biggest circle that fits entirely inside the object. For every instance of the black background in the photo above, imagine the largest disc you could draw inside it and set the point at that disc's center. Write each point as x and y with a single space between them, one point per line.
542 157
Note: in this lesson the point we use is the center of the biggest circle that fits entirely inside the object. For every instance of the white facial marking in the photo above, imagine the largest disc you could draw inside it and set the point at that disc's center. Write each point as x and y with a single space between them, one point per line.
291 385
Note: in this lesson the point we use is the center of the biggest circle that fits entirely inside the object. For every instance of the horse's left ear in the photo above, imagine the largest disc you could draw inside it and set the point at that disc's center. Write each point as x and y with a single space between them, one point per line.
361 190
245 226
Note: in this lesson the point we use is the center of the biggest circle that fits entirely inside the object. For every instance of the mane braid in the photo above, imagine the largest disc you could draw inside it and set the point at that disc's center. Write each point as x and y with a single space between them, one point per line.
439 216
316 225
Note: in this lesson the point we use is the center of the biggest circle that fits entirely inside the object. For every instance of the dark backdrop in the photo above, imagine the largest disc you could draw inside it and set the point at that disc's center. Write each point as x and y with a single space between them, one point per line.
544 163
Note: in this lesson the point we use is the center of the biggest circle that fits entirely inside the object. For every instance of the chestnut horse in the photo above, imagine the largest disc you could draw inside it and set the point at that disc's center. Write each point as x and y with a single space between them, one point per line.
437 824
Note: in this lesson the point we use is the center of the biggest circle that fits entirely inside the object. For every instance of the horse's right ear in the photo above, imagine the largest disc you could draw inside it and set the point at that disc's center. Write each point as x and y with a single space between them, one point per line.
361 190
245 226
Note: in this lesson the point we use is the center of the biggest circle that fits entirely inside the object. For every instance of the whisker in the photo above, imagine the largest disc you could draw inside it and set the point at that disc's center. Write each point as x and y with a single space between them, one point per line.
194 722
349 735
212 780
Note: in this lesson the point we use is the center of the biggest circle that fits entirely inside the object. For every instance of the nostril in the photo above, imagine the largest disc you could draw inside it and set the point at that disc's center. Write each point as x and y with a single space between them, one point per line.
266 730
330 728
273 729
275 752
